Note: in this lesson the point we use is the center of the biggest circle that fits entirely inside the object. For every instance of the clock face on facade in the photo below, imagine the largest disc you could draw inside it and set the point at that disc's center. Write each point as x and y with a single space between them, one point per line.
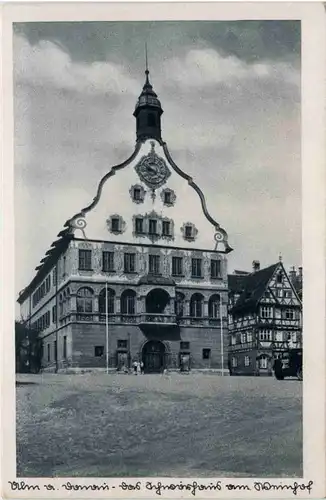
153 170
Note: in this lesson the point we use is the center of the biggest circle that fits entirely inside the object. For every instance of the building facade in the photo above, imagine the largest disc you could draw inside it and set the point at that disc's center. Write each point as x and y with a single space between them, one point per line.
265 319
138 274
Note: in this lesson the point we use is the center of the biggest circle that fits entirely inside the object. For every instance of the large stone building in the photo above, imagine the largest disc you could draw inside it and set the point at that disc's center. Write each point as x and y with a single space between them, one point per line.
265 318
139 273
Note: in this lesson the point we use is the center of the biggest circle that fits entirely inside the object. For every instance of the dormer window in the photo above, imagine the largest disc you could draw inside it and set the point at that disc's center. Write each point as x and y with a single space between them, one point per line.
152 228
137 193
168 197
115 226
189 231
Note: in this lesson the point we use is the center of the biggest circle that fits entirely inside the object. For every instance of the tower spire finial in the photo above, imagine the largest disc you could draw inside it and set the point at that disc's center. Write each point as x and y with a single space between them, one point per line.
146 62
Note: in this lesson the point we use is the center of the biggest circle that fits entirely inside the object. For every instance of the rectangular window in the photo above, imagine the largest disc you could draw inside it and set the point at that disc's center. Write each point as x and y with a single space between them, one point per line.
177 266
152 226
115 224
154 264
85 260
249 336
108 261
215 268
247 361
184 346
98 351
206 353
188 232
289 314
288 294
266 312
233 340
167 197
196 268
243 338
55 350
139 225
54 276
265 335
234 362
129 262
122 344
49 353
65 347
166 228
279 337
137 196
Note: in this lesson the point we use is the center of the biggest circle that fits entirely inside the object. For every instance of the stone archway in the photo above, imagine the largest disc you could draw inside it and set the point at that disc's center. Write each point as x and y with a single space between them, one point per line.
156 301
154 356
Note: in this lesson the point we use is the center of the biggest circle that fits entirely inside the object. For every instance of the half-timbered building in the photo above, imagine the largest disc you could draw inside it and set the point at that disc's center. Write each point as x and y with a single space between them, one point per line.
138 274
265 318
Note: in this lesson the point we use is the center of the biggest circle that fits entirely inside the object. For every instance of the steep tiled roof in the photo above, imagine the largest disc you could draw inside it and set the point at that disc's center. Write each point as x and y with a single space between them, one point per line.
236 282
253 287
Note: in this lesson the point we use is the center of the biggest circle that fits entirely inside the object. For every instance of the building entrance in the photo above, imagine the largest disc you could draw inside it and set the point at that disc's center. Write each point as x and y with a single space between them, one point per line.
153 356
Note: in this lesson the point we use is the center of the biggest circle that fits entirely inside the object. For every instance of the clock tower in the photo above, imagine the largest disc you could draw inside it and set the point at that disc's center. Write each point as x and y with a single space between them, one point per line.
148 113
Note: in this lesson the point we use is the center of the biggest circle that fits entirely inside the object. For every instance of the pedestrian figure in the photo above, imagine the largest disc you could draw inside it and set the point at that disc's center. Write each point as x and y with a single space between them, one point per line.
135 367
142 368
138 368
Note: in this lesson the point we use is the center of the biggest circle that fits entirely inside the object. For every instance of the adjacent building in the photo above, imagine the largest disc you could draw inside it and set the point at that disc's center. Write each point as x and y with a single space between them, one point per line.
138 274
265 318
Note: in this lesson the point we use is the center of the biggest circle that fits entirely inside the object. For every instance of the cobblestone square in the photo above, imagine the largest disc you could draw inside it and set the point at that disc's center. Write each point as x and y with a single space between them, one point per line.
158 425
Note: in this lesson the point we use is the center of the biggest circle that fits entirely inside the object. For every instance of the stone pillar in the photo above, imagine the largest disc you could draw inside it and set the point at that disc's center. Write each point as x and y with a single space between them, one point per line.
117 304
205 309
141 304
73 303
186 308
171 306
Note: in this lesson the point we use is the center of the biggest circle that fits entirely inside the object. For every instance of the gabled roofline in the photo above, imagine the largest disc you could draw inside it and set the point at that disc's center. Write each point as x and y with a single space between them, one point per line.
191 183
253 305
76 222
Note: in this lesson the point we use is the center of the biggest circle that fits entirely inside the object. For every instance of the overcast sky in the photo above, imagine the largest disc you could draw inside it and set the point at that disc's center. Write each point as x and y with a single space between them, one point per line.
231 98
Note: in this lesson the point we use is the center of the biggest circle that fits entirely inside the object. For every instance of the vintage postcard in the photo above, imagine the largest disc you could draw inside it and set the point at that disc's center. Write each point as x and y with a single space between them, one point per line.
164 259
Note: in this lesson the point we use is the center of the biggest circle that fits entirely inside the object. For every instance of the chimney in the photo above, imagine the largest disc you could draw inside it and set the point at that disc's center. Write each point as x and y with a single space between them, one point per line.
300 273
292 274
255 266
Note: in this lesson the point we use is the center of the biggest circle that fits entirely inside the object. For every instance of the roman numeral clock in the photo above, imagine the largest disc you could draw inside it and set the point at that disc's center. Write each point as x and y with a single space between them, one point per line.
152 170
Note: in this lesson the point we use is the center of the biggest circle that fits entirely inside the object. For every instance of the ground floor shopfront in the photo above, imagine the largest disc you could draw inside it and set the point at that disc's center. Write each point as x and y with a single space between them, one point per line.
84 346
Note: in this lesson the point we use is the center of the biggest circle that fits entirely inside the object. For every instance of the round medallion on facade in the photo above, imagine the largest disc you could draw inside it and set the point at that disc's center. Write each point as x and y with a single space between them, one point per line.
152 169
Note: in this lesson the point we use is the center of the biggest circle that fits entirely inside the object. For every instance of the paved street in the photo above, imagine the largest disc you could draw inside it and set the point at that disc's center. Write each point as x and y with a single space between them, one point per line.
153 425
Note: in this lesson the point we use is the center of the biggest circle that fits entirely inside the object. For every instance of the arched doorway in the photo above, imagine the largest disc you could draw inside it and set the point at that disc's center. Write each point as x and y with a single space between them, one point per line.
156 301
153 356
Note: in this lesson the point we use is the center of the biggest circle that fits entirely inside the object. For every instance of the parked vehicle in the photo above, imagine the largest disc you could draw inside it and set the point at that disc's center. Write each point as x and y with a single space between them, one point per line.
288 364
